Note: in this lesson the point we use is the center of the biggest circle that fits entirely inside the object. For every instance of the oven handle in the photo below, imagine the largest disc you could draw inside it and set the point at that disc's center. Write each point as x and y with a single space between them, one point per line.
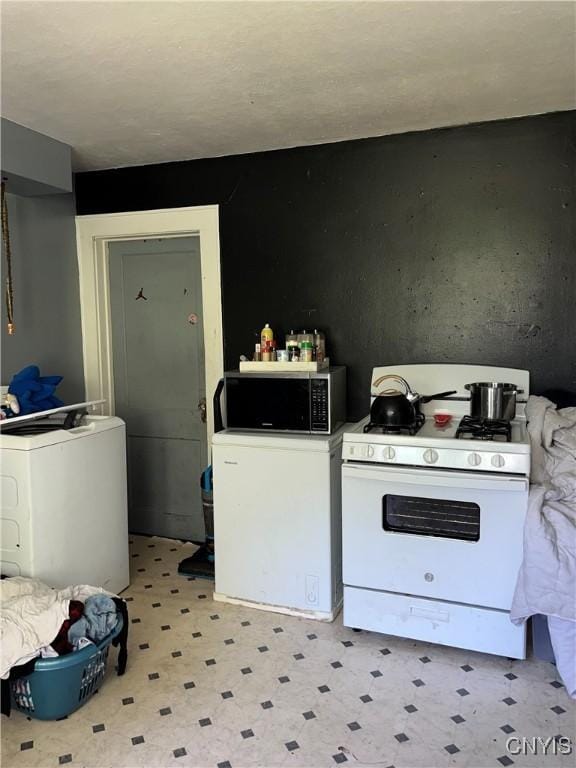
435 477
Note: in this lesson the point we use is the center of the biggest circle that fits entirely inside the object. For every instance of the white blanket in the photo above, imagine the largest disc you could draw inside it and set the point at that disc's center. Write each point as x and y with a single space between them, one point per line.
547 578
31 614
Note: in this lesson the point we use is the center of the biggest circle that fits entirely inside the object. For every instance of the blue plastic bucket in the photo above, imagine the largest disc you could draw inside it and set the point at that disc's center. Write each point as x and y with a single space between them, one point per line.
60 686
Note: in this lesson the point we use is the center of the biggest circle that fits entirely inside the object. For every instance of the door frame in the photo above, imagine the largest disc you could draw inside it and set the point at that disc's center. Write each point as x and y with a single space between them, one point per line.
93 233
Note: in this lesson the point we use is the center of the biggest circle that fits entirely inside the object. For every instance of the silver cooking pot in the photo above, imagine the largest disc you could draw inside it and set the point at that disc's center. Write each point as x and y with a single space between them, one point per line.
492 401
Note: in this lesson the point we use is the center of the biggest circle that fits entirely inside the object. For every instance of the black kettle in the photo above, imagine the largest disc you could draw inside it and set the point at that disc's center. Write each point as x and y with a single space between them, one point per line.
392 408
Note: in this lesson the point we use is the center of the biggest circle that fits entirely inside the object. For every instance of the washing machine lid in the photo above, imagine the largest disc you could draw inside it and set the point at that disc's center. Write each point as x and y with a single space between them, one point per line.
8 424
44 428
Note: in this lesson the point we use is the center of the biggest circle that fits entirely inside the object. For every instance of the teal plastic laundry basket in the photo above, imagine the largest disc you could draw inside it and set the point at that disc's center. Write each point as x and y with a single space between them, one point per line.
60 686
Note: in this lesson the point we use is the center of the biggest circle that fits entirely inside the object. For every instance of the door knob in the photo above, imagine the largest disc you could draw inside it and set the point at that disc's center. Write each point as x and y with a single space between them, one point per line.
202 409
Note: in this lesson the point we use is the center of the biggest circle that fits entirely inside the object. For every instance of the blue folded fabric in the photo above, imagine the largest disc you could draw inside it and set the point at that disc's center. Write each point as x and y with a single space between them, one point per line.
34 392
98 621
78 631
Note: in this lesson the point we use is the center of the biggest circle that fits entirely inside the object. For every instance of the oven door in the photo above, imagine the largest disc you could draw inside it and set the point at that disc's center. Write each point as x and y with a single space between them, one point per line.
443 534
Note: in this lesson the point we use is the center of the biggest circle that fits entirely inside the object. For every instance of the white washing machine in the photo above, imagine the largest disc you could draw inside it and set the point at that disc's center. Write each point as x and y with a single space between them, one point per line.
63 515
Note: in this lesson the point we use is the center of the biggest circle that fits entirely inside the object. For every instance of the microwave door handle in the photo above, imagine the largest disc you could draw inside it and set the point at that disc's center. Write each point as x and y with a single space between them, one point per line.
217 405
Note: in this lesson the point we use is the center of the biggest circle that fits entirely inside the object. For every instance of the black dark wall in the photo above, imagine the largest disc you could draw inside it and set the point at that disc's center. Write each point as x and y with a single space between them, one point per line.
454 245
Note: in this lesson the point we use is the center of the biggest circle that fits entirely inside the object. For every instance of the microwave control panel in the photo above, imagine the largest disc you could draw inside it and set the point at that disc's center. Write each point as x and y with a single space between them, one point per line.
319 405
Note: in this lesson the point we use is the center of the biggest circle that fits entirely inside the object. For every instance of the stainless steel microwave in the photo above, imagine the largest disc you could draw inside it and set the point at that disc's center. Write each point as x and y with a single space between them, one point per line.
312 403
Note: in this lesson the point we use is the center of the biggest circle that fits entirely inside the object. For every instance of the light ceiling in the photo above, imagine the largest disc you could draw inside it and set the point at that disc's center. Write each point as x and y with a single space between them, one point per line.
128 83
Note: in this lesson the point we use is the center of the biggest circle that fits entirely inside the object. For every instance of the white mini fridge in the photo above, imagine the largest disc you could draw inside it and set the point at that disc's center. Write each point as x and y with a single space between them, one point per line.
277 522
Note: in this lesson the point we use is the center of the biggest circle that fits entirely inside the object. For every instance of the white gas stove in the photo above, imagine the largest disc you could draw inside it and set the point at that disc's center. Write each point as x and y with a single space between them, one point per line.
433 521
438 446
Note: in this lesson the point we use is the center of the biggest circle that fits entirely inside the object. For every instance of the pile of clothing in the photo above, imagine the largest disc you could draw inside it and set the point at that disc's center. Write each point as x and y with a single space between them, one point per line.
37 621
29 392
547 579
87 623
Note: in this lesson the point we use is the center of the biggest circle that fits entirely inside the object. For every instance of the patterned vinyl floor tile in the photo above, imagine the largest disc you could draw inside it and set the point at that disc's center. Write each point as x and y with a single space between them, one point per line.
221 686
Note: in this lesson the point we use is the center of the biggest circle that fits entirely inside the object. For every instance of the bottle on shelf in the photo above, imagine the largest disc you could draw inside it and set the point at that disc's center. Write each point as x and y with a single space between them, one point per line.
291 340
306 350
305 337
267 352
319 345
266 335
292 346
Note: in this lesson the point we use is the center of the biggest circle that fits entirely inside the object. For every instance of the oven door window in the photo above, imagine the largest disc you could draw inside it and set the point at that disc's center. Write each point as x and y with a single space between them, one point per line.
431 517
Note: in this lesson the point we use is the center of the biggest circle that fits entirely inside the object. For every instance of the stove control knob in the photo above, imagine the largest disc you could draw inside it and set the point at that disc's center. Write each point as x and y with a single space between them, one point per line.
370 451
474 459
388 452
430 456
497 460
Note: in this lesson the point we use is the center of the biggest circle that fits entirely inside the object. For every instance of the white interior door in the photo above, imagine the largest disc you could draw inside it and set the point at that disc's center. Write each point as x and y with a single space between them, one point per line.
159 380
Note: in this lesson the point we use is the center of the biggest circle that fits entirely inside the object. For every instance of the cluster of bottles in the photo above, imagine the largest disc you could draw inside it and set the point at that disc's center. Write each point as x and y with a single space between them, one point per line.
303 347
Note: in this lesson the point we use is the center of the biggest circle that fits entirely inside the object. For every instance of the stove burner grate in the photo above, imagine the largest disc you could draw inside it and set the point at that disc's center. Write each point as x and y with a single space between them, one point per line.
398 429
484 429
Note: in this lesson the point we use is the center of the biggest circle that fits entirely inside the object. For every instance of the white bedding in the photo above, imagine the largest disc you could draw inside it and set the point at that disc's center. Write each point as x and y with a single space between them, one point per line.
547 578
31 614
